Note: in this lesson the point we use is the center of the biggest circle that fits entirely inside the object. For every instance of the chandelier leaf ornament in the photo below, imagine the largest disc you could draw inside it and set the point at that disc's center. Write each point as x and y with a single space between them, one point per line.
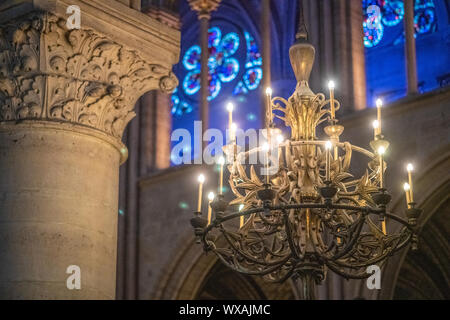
310 215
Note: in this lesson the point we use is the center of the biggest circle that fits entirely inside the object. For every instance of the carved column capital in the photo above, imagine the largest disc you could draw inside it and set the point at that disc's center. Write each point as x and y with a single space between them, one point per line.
204 7
51 73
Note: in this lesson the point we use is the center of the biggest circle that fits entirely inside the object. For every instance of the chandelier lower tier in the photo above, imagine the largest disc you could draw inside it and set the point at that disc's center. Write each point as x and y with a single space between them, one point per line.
311 215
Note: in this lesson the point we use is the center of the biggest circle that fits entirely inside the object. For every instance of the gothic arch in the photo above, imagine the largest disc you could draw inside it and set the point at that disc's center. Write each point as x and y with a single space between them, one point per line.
194 275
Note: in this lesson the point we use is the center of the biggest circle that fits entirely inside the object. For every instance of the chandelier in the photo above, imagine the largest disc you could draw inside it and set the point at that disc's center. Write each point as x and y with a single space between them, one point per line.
311 215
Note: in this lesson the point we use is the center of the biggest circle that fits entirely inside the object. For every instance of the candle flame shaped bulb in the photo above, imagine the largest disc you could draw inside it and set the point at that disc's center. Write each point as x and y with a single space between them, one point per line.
410 168
210 199
269 91
280 138
331 86
221 163
201 180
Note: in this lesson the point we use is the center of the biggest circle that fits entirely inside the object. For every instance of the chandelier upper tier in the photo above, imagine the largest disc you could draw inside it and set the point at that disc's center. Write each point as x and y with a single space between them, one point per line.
311 214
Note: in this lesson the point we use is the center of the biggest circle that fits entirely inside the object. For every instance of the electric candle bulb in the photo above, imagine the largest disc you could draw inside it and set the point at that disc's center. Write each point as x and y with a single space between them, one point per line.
331 88
280 138
328 145
210 199
221 163
265 147
407 189
376 126
381 151
268 91
379 104
233 129
410 168
331 84
241 206
201 180
230 107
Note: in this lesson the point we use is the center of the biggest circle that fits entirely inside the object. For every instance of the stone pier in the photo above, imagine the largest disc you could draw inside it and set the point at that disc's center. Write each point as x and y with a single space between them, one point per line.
66 97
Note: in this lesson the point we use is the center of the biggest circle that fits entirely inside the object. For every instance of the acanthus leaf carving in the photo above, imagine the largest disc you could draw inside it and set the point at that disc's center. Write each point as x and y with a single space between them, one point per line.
87 78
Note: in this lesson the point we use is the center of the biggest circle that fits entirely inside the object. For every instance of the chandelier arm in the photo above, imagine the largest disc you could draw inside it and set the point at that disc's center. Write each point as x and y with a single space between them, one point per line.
245 255
297 255
246 271
358 225
401 220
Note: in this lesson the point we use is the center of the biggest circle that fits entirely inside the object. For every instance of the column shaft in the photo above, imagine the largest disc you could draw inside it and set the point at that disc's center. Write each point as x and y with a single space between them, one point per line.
410 48
204 75
58 205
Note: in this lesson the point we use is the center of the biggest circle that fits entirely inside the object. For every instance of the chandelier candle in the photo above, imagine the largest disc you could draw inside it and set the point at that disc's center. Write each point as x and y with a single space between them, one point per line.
221 164
407 189
210 199
410 168
379 105
375 125
241 220
381 151
266 149
201 180
331 87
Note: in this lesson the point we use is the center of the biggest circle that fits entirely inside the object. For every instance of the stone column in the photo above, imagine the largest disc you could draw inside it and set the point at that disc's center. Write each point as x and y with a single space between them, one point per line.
410 48
204 9
65 99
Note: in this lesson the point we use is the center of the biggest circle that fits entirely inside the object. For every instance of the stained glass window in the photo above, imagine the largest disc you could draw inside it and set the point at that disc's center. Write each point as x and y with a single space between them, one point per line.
224 68
379 15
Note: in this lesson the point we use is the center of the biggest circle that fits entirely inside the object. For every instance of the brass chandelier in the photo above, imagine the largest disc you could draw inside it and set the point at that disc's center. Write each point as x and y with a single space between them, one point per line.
311 215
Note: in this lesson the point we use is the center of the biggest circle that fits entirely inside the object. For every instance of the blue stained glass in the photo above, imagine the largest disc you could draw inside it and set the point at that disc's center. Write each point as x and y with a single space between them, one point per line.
223 67
240 89
214 36
393 12
422 4
253 56
214 86
372 35
179 107
252 78
228 70
424 21
191 59
379 14
230 44
191 83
